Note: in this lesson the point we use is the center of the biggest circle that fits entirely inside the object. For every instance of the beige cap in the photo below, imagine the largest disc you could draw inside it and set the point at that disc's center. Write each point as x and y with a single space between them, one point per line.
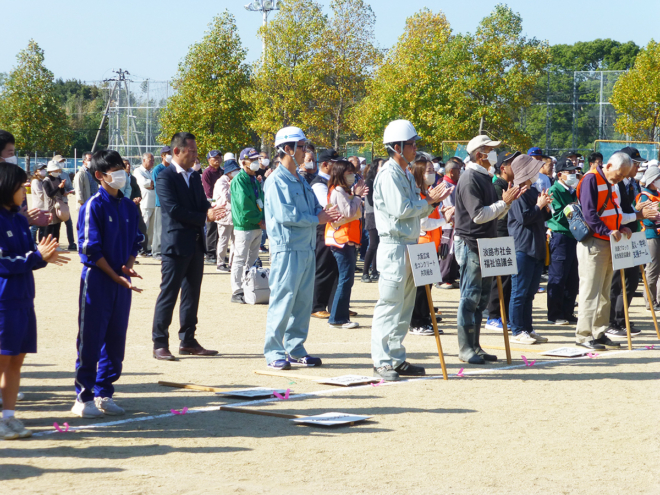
479 141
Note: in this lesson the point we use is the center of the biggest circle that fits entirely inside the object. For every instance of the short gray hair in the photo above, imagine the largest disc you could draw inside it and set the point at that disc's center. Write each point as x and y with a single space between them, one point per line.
619 159
473 155
146 155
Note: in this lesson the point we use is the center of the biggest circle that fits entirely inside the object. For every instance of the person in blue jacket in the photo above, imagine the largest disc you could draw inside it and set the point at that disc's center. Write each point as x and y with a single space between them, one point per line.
292 213
109 240
18 323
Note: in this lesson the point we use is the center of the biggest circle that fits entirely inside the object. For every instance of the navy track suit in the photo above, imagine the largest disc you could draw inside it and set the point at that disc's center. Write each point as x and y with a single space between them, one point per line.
18 257
107 228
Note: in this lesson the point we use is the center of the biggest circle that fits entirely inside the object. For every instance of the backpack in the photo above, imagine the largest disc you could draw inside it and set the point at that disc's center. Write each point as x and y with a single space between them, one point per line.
576 222
255 285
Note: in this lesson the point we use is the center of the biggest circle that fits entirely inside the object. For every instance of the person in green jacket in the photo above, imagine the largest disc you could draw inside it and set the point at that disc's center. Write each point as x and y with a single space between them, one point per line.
247 211
563 281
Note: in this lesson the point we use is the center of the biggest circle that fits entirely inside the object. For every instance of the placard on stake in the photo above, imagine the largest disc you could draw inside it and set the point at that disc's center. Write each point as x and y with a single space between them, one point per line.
426 271
497 257
643 256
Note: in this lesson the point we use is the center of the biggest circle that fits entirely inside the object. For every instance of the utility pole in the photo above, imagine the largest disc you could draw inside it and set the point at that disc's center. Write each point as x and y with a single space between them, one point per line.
117 80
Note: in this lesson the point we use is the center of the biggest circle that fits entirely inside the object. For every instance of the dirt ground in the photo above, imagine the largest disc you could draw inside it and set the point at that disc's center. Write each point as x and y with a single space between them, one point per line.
580 427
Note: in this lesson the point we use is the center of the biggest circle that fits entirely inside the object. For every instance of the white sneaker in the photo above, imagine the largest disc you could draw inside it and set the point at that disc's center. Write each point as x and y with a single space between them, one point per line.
17 426
350 324
524 338
539 338
6 433
108 406
559 323
86 409
20 396
425 331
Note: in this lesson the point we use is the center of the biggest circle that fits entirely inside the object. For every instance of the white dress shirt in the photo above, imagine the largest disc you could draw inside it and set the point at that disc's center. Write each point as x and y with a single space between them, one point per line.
186 173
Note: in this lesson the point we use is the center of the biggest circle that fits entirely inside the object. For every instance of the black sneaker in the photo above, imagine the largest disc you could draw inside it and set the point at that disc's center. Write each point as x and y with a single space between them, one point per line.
374 277
407 369
72 247
604 340
238 298
365 279
634 331
387 373
572 319
614 332
210 261
592 345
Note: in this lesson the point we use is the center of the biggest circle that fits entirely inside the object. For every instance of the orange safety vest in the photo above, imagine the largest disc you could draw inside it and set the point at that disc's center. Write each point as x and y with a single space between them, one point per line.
654 199
611 215
342 235
432 235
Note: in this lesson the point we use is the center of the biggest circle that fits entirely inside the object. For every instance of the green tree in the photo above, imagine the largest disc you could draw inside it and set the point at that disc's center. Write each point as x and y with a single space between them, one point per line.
636 96
30 108
285 77
599 54
208 88
84 107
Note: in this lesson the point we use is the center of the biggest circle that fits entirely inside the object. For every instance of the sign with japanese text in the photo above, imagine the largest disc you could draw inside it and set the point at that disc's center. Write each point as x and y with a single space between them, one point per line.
627 253
640 249
497 256
424 262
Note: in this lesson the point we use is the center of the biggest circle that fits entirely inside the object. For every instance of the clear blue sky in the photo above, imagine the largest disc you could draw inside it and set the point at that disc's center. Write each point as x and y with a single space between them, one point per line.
86 39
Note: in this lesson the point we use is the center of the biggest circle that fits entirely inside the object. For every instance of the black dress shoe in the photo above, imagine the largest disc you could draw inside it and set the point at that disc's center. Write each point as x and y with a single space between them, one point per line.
592 344
476 359
407 369
485 356
196 350
605 341
163 354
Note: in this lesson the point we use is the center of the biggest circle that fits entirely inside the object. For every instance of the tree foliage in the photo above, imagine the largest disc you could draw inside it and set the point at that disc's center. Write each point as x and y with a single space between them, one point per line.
30 108
209 84
636 96
599 54
84 107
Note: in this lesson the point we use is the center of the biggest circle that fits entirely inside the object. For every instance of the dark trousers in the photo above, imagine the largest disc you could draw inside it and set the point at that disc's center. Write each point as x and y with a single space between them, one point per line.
421 315
69 232
494 312
370 257
184 273
211 239
563 279
54 230
142 227
345 258
524 286
327 274
448 266
617 314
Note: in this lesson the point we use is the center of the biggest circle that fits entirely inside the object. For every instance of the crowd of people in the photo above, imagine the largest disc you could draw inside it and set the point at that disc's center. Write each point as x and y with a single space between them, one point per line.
319 213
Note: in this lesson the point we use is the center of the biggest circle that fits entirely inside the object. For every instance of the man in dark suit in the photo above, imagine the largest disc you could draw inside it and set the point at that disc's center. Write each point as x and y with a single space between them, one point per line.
184 210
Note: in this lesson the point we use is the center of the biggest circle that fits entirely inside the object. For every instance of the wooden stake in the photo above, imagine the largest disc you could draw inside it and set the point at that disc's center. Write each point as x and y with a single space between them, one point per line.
625 307
191 386
260 413
503 316
435 330
651 302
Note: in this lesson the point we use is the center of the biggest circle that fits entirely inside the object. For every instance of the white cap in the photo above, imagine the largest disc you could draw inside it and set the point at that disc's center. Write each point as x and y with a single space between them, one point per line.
479 141
362 159
229 156
289 135
53 166
399 130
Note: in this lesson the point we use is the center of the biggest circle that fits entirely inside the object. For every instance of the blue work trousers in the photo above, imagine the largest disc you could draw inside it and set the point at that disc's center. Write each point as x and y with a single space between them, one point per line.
291 285
524 286
563 279
104 307
346 264
475 289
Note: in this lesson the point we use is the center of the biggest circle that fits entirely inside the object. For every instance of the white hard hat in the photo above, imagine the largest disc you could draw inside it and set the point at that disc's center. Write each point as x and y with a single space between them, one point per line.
229 156
289 135
399 130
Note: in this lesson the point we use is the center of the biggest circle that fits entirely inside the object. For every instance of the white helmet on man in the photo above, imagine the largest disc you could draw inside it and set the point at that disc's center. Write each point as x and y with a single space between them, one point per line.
289 135
398 131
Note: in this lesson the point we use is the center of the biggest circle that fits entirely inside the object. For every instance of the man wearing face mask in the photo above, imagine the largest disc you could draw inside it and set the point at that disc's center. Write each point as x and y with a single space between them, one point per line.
477 212
563 281
82 181
651 191
308 169
148 204
247 212
166 159
448 265
209 178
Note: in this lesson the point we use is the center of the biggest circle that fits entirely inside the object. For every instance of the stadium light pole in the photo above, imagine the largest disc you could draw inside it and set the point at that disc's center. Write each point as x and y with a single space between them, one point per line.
263 6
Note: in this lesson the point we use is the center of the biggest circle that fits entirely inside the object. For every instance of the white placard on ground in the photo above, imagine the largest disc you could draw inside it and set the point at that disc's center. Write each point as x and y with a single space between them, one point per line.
640 249
331 419
253 393
424 262
348 380
497 256
622 253
566 352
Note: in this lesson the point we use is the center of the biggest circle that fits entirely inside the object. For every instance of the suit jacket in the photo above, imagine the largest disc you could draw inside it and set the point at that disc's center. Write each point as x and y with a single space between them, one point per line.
184 211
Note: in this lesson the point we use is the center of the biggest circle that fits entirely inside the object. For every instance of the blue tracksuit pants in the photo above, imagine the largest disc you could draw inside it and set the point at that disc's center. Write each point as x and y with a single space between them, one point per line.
104 307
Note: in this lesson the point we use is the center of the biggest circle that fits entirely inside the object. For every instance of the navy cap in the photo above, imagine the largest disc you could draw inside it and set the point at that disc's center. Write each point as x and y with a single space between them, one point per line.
570 153
506 156
633 153
535 151
231 167
212 154
249 154
329 155
165 150
566 165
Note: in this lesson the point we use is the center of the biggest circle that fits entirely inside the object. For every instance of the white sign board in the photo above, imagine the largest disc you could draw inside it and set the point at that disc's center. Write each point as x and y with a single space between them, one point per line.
640 249
497 256
424 262
331 419
348 380
566 352
253 393
622 253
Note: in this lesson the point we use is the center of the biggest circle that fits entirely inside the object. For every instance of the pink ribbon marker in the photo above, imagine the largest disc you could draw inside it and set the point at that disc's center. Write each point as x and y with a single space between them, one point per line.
181 412
57 427
593 355
528 363
460 372
286 395
381 382
650 347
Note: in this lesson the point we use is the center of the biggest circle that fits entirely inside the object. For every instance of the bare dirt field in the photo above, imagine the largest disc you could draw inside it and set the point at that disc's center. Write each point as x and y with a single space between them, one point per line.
560 426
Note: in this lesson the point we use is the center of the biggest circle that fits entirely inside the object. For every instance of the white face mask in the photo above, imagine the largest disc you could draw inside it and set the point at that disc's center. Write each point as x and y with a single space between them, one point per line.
429 179
168 158
12 159
572 180
197 167
436 167
639 176
118 179
350 179
492 157
254 166
441 171
309 165
265 162
42 173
